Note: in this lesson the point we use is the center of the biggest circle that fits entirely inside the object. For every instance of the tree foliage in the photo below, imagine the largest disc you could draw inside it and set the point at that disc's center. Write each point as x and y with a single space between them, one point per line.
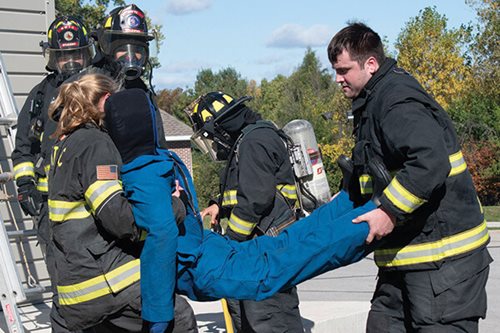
91 12
435 55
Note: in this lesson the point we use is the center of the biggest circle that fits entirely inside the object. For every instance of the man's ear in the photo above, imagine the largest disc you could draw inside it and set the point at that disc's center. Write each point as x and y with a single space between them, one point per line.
371 65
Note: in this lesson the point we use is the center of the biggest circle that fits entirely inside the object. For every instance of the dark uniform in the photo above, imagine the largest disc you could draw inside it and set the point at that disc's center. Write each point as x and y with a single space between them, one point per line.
93 229
259 195
26 156
433 267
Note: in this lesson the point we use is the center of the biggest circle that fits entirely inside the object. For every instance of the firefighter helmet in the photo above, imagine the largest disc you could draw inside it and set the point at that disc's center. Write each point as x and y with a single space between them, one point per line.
206 115
69 48
124 38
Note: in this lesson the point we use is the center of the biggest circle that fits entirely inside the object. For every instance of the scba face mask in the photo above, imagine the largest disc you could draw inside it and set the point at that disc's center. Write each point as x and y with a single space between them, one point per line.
132 58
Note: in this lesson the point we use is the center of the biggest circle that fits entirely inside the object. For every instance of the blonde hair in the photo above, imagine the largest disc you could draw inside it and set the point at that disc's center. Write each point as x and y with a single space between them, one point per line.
79 102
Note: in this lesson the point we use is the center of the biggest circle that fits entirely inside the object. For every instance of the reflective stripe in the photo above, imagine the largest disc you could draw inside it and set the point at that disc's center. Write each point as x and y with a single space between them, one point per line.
240 226
60 211
100 190
24 169
402 198
43 185
111 282
366 184
47 169
433 251
229 198
289 191
457 163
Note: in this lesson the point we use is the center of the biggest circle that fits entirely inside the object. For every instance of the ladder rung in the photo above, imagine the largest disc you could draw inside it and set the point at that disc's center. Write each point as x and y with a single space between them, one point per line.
34 290
21 233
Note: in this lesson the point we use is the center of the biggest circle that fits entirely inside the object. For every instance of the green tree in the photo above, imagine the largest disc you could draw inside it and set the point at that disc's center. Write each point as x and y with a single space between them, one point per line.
227 80
435 55
92 12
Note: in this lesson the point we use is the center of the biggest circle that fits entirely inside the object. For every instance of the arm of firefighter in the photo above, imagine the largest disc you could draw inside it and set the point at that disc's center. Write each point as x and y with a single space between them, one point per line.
104 192
23 155
256 186
418 140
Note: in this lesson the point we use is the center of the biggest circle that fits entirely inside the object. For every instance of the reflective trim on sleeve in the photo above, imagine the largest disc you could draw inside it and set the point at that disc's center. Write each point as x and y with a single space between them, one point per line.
101 190
111 282
402 198
289 191
60 211
366 184
43 185
240 226
229 198
24 169
434 251
457 163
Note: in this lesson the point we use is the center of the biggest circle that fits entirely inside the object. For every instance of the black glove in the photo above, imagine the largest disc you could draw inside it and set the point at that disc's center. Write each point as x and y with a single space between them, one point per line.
29 198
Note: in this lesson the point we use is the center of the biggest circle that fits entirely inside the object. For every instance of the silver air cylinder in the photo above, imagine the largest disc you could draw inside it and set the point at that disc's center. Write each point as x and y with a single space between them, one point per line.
308 164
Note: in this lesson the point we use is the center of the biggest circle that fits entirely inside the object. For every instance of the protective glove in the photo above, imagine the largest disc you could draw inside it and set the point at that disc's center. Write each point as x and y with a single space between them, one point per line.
29 198
160 327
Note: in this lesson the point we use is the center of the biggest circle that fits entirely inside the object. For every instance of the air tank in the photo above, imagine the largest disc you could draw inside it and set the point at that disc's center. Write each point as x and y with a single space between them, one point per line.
308 164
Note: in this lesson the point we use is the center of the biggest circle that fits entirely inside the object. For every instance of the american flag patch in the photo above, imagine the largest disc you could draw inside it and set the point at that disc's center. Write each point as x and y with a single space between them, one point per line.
107 172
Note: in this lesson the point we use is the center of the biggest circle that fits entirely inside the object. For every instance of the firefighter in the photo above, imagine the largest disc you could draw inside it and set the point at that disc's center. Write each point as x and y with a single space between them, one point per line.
123 40
257 194
67 51
92 223
433 263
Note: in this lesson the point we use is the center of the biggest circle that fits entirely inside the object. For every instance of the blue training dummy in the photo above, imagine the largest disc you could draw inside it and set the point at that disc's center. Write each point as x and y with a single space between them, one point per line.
202 264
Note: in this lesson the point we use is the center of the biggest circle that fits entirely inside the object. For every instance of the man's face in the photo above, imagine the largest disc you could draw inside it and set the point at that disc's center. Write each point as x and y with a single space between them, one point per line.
349 74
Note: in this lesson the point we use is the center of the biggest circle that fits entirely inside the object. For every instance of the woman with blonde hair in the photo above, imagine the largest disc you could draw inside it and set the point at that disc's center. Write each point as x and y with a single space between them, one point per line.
94 233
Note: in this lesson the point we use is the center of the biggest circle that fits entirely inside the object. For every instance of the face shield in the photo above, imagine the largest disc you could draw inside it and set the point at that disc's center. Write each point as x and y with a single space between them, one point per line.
69 61
132 58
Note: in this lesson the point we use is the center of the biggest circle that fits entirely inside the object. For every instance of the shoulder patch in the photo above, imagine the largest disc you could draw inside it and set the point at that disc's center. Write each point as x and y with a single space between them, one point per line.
107 172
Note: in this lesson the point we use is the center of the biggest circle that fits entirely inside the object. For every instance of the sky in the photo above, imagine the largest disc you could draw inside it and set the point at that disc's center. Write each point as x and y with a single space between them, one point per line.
263 38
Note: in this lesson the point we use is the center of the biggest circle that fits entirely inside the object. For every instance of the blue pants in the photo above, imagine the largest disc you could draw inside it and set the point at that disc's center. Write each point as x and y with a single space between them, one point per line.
256 269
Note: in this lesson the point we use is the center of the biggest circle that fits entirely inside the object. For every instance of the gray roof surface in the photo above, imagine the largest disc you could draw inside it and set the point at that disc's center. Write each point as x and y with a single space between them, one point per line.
173 126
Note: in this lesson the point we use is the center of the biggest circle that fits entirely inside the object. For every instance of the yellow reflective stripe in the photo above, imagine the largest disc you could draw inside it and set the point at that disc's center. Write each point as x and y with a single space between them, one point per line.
288 190
433 251
101 190
229 198
457 163
366 184
240 226
47 169
43 185
402 198
123 276
60 211
24 169
101 285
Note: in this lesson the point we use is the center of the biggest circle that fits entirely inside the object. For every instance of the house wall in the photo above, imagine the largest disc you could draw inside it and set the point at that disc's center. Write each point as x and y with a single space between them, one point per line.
23 25
183 149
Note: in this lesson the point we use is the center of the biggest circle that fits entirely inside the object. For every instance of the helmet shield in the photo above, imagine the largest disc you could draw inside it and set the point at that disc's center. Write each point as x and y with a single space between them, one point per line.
69 61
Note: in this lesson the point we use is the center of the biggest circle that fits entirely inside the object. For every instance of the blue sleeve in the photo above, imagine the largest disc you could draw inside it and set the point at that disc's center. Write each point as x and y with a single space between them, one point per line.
148 189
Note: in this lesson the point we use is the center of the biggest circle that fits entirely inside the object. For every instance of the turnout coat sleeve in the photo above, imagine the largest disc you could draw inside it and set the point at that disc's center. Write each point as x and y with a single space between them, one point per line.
421 158
105 195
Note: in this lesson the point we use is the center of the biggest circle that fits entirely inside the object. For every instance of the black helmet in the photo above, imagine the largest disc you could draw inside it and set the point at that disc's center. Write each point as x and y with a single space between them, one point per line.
124 38
69 48
206 116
